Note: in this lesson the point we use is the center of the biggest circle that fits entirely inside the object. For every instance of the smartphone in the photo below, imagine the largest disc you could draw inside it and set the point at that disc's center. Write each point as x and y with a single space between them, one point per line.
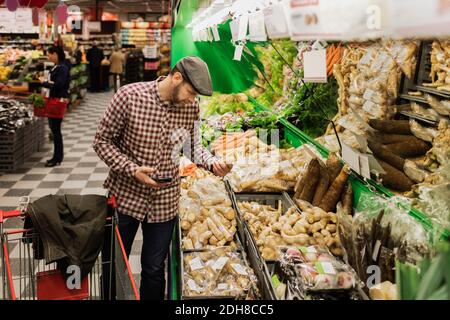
162 180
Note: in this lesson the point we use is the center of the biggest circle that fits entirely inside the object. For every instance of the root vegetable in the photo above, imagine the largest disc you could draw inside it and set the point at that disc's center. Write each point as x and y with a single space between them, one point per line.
300 239
191 217
185 225
215 230
391 126
230 214
381 152
204 237
413 148
331 228
187 244
334 166
311 180
392 138
347 199
322 186
395 179
333 194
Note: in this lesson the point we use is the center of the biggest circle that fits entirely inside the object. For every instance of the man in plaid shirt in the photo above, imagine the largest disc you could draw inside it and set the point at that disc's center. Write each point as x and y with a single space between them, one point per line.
140 137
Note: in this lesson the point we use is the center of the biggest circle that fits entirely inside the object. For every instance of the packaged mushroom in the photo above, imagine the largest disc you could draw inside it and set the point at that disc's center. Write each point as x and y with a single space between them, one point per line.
219 272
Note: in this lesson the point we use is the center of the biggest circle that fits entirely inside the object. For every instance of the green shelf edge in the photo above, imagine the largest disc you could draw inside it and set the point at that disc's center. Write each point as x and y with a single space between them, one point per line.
296 133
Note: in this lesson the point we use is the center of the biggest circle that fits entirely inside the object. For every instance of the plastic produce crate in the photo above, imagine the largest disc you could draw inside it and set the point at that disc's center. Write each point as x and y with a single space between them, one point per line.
272 199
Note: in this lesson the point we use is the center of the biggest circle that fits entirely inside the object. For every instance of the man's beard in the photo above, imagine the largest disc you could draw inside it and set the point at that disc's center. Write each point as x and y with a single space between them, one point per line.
176 101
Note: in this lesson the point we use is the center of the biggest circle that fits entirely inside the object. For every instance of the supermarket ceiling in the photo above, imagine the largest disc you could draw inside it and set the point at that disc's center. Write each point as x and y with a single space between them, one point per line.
128 6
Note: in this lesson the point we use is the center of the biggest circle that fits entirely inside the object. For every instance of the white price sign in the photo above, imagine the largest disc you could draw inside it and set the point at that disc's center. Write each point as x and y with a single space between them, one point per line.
418 18
276 21
256 27
337 20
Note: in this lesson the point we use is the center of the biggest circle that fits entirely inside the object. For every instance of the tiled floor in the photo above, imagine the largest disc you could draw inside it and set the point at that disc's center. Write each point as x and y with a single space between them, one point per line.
81 172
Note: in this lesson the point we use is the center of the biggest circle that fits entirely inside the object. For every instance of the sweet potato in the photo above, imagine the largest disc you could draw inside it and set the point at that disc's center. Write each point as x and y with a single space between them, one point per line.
311 180
322 186
412 148
391 126
386 138
381 152
334 166
347 199
333 194
395 179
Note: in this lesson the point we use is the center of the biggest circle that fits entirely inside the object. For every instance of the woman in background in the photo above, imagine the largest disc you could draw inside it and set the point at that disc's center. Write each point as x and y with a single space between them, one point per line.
58 84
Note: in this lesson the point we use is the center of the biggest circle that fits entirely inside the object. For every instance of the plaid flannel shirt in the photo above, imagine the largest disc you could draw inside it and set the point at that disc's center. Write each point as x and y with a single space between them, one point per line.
140 129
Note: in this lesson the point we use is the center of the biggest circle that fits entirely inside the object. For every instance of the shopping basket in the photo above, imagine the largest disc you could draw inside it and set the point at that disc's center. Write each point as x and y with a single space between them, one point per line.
25 278
53 108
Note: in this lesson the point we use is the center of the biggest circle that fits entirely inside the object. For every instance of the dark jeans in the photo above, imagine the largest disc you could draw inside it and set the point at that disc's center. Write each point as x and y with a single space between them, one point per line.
156 242
55 127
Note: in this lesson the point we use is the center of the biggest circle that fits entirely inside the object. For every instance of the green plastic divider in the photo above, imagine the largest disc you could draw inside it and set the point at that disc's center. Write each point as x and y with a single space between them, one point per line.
296 137
173 267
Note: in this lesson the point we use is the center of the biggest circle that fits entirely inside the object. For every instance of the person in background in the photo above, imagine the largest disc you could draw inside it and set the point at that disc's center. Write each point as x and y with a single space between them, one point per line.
95 56
139 138
58 83
117 61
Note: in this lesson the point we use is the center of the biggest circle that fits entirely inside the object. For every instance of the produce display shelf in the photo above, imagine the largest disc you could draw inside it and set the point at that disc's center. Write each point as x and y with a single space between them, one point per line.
296 137
413 98
442 93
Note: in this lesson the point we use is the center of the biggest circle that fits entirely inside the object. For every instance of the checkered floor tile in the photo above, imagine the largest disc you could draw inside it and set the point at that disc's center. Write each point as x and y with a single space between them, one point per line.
81 172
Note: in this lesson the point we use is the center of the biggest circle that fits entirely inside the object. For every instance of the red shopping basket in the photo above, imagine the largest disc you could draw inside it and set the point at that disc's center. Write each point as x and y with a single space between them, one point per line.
51 285
53 108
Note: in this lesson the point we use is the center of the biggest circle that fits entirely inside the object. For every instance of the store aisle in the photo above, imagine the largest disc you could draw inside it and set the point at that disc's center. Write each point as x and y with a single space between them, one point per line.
81 172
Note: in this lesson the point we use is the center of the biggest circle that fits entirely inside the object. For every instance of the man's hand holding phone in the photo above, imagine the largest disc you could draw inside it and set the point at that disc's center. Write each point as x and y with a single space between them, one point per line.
143 175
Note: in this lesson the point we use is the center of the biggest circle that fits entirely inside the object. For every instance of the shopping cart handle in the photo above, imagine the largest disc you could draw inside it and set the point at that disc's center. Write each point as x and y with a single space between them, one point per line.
112 201
9 214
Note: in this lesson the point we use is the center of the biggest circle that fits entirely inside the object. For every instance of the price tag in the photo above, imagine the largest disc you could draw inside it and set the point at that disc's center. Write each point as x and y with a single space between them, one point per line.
243 27
275 281
325 268
364 165
192 285
376 250
275 21
222 286
238 52
196 264
309 249
256 27
218 265
215 32
239 269
375 167
315 68
234 28
351 157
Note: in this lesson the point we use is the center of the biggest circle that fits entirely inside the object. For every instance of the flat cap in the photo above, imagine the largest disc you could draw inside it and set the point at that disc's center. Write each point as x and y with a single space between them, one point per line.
195 70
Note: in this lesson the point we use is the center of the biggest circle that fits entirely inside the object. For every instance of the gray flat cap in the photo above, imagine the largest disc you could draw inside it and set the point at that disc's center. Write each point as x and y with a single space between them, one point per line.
195 70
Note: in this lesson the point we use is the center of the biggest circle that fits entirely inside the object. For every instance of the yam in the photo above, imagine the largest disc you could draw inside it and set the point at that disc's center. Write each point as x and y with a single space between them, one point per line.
322 186
311 180
381 152
391 126
347 199
334 166
412 148
334 192
385 138
394 178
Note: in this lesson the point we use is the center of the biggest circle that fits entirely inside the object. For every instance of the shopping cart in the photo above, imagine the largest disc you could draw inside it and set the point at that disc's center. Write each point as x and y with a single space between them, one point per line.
25 278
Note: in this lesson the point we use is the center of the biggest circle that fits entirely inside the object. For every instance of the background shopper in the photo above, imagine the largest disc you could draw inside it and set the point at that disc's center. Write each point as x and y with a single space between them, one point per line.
117 61
95 57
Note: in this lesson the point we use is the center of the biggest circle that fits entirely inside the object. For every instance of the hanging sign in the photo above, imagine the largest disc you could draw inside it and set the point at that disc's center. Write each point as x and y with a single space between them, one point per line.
338 20
276 21
418 18
314 64
256 26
